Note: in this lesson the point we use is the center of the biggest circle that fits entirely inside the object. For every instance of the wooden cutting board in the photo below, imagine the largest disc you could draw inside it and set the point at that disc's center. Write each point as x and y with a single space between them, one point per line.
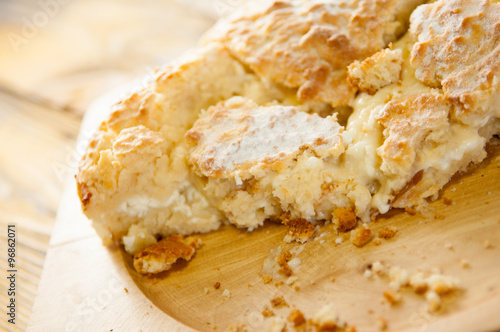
87 287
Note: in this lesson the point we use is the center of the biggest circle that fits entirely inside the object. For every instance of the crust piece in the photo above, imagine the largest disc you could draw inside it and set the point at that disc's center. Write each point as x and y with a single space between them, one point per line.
458 47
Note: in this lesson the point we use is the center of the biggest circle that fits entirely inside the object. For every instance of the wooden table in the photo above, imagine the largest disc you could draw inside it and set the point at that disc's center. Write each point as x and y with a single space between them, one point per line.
48 77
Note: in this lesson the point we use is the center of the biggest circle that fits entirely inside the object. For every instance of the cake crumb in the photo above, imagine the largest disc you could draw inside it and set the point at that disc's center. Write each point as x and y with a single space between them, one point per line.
345 218
226 293
160 256
487 244
282 261
448 246
464 264
327 319
299 230
392 297
361 236
267 279
381 324
241 327
217 285
377 241
126 290
447 201
387 232
206 290
278 302
279 325
338 241
296 317
378 267
433 301
267 312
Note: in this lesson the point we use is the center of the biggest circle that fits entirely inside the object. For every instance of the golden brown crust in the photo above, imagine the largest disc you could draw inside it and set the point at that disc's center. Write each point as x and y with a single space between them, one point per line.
296 317
361 236
160 256
408 122
458 47
299 229
345 218
387 232
379 70
275 40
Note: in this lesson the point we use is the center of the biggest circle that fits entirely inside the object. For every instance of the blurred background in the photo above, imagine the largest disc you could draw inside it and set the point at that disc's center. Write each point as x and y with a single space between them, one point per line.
56 57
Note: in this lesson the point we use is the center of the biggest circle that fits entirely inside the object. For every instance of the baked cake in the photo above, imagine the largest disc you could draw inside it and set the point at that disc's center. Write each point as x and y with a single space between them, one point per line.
299 110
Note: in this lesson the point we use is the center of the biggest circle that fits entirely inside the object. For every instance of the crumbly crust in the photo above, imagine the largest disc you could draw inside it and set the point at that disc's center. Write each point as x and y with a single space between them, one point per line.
379 70
253 151
275 39
458 48
160 256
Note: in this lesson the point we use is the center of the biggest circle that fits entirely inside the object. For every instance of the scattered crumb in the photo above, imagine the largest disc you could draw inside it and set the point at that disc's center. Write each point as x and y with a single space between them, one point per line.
387 232
398 277
299 230
241 327
267 279
392 297
361 236
281 283
339 240
162 255
327 319
377 242
453 189
278 302
367 274
487 244
345 218
381 324
226 293
278 325
448 246
217 285
332 278
447 201
291 280
464 264
419 283
378 267
283 260
296 317
206 290
126 290
433 301
267 312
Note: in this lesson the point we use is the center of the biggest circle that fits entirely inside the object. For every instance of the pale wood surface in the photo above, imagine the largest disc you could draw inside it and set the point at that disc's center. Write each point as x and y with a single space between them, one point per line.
83 50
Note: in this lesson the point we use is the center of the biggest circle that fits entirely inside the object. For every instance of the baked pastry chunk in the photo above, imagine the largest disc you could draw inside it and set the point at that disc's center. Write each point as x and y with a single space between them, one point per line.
246 129
254 161
307 45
